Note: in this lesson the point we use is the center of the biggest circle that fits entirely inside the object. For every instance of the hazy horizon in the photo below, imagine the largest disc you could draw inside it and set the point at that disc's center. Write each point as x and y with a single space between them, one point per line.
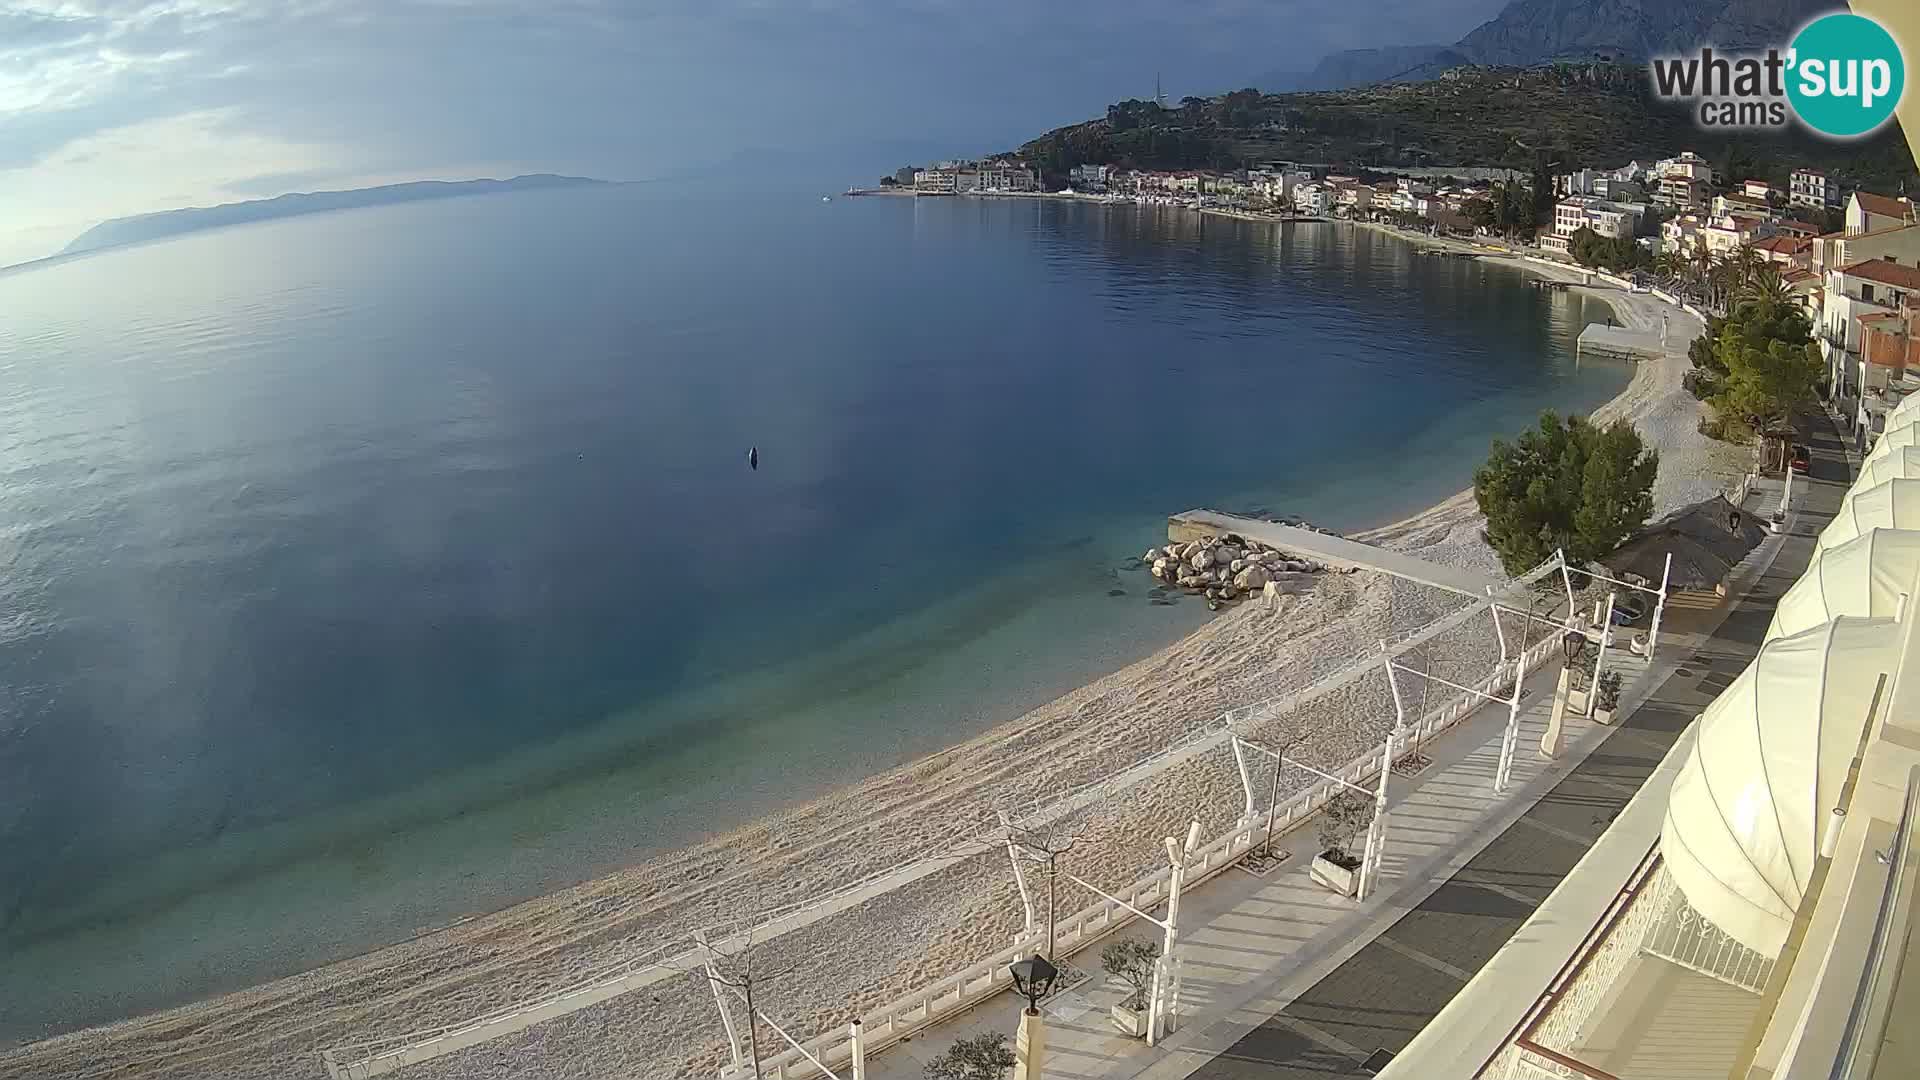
110 108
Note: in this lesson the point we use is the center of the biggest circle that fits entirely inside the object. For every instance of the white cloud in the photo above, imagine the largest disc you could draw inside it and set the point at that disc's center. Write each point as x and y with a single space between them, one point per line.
62 54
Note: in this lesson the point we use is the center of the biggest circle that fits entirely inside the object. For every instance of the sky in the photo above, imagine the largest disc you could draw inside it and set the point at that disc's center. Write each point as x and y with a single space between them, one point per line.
116 107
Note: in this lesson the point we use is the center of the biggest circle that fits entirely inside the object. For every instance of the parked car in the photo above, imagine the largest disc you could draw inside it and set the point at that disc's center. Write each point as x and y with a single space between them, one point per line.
1628 610
1802 458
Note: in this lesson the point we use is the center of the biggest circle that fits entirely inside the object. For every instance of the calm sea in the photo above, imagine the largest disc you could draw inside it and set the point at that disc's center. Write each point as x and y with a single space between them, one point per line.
365 570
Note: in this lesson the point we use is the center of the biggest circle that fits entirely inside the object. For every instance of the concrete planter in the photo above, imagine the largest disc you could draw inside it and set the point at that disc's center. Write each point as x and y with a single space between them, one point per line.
1131 1022
1577 701
1334 876
1604 716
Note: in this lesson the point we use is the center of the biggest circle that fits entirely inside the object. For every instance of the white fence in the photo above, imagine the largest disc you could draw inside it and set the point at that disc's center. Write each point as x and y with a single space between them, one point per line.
963 989
988 976
1738 493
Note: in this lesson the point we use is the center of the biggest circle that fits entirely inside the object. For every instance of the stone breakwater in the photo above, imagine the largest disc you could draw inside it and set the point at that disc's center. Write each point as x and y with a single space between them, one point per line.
1228 568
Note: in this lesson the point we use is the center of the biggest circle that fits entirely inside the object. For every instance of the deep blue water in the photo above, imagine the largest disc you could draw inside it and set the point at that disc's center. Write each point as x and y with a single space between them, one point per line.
365 570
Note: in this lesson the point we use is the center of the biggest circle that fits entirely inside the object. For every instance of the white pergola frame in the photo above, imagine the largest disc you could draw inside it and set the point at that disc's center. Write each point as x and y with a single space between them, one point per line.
1165 992
1163 996
857 1066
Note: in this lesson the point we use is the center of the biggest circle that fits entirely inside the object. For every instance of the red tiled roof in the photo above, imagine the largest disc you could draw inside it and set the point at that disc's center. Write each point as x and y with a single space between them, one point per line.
1883 206
1782 245
1886 273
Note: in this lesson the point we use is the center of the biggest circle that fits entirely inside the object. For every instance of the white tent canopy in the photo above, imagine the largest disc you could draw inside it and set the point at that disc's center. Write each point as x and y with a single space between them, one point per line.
1892 505
1864 577
1902 463
1749 805
1904 413
1895 438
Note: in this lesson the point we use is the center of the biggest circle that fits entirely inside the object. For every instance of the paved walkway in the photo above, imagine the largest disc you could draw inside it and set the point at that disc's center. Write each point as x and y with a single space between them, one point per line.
1285 980
1340 551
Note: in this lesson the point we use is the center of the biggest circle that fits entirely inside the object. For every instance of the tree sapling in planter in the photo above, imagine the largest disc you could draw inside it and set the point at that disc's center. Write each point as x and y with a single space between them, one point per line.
1608 701
982 1057
1341 819
1131 962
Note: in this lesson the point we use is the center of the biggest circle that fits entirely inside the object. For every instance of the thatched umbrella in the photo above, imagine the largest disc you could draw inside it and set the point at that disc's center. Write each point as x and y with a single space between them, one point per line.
1707 540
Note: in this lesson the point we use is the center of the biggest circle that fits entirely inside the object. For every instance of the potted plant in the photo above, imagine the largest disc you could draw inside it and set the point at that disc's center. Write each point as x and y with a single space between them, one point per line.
1609 697
1577 678
1131 962
981 1057
1341 819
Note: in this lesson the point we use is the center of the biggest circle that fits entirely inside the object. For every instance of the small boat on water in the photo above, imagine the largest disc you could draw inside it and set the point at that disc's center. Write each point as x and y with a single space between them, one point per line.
826 198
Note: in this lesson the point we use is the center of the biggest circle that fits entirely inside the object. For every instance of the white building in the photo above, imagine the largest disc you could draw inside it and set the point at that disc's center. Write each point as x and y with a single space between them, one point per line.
963 179
1088 177
1867 213
936 181
1811 187
1611 221
1861 290
1314 199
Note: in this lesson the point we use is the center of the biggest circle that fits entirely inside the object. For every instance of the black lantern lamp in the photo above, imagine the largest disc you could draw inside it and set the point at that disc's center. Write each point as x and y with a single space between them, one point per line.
1033 977
1573 643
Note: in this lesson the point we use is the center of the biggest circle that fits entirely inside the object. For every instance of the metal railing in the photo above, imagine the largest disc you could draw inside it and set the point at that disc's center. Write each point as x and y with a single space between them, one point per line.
1683 936
1873 1002
964 988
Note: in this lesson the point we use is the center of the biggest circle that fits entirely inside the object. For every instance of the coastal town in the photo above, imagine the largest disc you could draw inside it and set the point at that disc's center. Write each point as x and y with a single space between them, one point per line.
1850 259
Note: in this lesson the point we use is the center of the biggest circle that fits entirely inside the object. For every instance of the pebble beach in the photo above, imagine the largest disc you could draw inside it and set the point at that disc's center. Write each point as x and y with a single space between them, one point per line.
890 944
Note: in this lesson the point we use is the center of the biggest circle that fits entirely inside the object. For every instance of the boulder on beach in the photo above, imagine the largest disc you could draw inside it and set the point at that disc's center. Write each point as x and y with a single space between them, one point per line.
1160 568
1237 565
1253 577
1228 593
1152 556
1202 559
1227 553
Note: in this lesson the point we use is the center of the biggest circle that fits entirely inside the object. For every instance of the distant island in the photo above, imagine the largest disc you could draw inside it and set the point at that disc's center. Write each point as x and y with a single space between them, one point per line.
143 227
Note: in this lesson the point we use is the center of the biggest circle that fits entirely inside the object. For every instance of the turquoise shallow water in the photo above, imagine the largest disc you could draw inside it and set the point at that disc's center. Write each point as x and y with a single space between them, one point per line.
370 569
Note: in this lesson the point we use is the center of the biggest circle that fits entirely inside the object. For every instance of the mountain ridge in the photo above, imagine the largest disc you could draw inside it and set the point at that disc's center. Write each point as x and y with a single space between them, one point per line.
139 228
1528 32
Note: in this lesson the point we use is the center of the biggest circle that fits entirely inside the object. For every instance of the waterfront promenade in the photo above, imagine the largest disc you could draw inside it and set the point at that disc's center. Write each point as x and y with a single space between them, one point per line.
1283 979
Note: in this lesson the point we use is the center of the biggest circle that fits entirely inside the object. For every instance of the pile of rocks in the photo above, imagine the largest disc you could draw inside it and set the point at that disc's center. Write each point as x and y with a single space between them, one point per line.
1225 569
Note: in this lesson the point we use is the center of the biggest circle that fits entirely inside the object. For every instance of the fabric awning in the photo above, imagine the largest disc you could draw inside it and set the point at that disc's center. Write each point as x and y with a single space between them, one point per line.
1904 413
1892 505
1902 463
1864 577
1748 807
1894 438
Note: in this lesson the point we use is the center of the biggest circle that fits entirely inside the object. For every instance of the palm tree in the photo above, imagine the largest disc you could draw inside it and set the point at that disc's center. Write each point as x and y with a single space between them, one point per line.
1766 286
1743 264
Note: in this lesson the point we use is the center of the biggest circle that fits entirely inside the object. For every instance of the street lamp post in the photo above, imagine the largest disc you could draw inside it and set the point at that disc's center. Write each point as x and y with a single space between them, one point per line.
1032 977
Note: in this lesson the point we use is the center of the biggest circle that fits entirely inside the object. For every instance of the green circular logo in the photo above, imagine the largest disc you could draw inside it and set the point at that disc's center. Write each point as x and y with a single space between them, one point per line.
1846 75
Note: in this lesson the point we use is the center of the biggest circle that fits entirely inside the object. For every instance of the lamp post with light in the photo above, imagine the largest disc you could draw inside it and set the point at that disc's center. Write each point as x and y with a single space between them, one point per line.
1032 977
1572 644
